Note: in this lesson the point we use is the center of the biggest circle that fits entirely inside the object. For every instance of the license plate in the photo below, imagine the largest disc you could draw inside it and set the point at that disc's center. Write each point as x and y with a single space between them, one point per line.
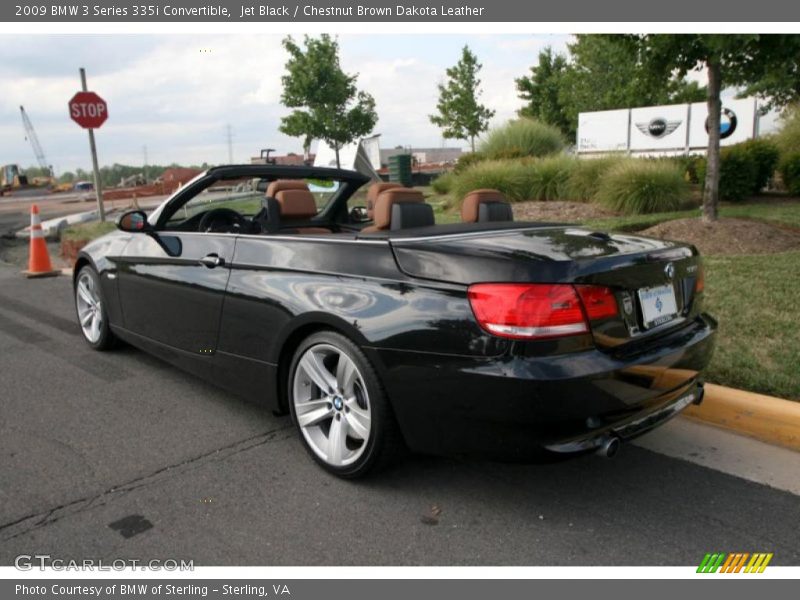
658 305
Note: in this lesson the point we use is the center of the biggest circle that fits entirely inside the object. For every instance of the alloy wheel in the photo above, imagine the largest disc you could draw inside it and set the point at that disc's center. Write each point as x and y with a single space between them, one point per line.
90 308
331 405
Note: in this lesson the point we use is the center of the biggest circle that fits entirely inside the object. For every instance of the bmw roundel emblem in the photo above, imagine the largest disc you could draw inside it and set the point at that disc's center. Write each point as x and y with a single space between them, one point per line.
727 123
669 270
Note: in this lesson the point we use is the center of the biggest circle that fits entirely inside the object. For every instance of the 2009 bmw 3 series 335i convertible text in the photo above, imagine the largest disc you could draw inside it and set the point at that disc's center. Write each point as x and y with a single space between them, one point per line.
342 303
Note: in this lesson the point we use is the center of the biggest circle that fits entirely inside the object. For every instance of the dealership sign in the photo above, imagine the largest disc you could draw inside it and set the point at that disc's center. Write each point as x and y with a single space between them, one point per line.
88 110
669 129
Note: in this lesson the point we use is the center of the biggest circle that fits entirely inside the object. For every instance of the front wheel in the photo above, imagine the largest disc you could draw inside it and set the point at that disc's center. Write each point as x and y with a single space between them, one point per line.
340 408
91 309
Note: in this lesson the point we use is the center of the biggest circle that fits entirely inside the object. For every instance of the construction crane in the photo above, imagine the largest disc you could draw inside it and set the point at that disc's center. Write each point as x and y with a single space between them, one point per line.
30 133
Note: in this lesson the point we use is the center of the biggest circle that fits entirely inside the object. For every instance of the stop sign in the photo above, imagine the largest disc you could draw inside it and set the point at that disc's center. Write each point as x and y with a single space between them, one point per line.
88 110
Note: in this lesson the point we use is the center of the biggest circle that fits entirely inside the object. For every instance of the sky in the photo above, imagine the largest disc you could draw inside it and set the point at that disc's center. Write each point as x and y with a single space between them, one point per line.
176 94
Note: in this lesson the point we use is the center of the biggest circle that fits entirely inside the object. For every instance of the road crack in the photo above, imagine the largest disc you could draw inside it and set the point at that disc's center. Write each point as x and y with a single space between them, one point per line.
44 518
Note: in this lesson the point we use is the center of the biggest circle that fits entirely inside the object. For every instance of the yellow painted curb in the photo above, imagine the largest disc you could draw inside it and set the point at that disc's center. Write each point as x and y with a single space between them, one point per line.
771 420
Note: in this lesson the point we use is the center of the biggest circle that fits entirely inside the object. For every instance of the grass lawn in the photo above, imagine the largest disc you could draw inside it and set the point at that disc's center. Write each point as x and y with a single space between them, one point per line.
786 213
755 300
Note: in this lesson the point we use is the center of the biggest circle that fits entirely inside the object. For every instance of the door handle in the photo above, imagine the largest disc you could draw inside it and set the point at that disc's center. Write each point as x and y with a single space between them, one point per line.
212 260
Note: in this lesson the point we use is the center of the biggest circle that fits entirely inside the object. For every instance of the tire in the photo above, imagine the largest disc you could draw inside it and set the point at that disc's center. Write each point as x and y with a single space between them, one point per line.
349 429
90 307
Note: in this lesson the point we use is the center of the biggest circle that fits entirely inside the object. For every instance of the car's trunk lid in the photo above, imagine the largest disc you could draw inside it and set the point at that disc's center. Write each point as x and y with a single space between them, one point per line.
647 275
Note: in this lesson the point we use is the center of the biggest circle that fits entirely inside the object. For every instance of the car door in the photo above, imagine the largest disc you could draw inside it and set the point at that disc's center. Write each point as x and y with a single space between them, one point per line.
172 286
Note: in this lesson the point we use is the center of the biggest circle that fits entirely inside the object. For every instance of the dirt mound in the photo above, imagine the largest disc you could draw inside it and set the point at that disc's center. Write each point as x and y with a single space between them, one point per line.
560 211
728 236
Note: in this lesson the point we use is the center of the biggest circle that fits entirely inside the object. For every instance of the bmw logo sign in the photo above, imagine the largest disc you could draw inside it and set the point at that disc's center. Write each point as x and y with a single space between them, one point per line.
727 123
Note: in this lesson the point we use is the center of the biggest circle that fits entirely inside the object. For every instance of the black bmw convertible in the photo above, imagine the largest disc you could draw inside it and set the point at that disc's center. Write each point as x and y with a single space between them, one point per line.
343 303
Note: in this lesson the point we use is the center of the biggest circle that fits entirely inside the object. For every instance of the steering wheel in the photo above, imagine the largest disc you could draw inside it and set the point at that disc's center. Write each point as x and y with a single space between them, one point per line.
221 220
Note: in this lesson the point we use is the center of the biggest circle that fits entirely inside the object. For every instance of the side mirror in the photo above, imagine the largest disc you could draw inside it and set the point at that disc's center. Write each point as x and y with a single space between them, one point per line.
133 221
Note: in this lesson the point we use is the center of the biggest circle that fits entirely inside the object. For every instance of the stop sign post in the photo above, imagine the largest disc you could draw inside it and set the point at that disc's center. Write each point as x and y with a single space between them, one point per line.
90 111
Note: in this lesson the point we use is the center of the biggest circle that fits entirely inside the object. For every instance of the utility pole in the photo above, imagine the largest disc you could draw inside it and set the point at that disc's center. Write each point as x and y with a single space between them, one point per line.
229 134
97 188
144 149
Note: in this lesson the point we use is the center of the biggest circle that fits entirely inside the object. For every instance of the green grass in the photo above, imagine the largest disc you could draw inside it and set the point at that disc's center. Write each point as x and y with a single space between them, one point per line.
786 214
87 231
755 300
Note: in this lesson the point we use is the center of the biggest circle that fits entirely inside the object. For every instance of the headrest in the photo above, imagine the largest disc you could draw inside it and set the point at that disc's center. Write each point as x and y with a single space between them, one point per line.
407 215
471 206
280 185
374 191
296 204
382 216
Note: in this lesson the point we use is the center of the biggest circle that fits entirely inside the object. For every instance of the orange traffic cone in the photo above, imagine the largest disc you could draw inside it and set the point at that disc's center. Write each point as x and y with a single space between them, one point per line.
39 264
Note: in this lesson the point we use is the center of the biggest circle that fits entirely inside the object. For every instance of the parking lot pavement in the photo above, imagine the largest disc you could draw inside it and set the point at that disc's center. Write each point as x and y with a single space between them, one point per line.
88 439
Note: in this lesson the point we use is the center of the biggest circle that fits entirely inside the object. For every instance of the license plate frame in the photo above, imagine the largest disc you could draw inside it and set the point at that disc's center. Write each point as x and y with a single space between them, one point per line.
658 304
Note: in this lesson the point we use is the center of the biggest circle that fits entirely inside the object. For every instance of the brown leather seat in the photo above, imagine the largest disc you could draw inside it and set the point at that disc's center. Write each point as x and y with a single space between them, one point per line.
485 205
374 191
385 202
296 203
280 185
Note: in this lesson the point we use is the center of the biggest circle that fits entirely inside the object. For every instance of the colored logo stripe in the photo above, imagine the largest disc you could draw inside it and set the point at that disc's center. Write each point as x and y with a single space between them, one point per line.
734 562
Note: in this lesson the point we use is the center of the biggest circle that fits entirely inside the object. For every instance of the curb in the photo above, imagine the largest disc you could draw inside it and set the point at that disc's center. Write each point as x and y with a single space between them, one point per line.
765 418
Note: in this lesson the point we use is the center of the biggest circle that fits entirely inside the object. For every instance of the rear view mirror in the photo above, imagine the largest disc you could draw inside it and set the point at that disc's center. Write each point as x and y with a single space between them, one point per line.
134 221
358 214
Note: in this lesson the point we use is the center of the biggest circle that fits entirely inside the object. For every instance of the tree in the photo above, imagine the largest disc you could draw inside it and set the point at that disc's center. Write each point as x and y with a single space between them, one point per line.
327 105
602 72
542 91
755 61
459 114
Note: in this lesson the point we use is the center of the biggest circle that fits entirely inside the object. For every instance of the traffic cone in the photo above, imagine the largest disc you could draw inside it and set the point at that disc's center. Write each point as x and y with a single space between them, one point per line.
39 264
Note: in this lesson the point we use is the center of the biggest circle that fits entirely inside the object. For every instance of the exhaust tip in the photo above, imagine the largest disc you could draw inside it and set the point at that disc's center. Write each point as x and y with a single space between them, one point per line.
609 448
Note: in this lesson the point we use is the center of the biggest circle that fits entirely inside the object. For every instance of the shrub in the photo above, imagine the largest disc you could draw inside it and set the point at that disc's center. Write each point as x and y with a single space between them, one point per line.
466 160
443 183
688 166
548 178
521 138
788 137
790 172
738 173
639 186
512 178
765 155
585 178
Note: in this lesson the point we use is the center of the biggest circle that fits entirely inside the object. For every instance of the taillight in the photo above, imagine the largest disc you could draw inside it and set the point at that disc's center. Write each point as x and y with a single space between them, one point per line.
527 311
598 301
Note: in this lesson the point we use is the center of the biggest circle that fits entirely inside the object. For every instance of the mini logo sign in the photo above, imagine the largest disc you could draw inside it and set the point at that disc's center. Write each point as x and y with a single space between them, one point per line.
669 270
658 127
735 562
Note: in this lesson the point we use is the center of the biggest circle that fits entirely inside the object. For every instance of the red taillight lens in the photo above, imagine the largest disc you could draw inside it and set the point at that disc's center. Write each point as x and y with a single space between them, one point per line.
527 311
700 280
598 301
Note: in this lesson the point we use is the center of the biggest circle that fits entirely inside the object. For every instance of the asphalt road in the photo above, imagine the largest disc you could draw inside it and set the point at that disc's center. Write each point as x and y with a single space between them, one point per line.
88 439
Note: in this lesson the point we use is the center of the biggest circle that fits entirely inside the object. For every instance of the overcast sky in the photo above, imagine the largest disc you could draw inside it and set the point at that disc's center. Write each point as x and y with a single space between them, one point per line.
177 93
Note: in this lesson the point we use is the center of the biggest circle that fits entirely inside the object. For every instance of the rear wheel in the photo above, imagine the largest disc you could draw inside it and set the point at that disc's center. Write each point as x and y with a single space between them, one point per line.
91 309
340 408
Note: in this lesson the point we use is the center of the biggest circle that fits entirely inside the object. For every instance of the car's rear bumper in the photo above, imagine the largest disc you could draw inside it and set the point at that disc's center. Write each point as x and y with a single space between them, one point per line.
514 406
